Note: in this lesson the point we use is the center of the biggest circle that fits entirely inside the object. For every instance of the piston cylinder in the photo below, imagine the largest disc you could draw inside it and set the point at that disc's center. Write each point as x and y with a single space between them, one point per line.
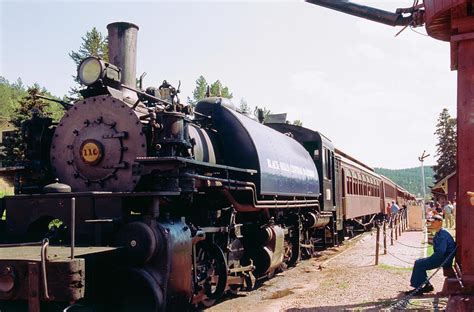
269 256
315 220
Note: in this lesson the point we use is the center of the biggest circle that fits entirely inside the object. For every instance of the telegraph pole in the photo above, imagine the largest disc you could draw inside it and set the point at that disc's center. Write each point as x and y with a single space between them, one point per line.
421 159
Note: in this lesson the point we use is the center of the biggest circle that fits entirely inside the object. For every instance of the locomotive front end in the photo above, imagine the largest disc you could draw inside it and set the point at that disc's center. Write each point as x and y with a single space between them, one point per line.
95 145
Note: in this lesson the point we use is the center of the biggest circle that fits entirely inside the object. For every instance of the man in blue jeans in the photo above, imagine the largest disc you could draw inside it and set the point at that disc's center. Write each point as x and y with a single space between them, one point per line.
443 254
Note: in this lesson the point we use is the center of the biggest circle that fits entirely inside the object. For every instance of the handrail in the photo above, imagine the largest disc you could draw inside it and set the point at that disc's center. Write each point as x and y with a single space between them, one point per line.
73 226
44 259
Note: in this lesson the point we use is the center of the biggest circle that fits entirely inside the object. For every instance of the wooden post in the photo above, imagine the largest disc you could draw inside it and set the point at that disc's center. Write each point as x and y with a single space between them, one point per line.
377 245
384 237
400 225
396 227
404 218
402 222
391 234
465 152
33 287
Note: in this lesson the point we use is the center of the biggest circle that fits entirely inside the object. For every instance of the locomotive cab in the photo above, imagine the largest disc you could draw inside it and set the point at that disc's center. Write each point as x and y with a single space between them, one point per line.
322 151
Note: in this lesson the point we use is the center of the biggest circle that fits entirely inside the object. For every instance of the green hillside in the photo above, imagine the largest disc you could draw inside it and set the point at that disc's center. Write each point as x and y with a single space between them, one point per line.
410 179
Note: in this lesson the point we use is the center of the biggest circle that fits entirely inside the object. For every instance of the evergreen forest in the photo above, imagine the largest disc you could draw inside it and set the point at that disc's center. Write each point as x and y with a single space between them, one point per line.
410 178
11 94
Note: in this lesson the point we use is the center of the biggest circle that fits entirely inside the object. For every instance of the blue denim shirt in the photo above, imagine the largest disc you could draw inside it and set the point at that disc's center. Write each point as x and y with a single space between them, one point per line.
443 247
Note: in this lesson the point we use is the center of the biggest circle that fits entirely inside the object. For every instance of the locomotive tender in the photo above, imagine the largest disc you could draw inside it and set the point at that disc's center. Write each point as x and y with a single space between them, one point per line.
160 206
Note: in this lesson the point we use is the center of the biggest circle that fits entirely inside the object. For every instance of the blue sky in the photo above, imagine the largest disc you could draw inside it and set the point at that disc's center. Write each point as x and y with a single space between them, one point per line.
375 96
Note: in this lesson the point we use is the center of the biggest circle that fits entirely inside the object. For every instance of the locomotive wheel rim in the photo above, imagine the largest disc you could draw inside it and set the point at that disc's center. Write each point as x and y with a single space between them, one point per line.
95 145
307 245
213 258
293 245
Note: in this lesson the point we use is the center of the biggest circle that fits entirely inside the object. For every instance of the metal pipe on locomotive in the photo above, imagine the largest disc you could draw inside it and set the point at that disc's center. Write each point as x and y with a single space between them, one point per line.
173 206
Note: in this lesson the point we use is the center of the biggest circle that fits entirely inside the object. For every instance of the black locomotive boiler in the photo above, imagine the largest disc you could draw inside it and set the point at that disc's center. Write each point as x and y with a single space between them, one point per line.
160 205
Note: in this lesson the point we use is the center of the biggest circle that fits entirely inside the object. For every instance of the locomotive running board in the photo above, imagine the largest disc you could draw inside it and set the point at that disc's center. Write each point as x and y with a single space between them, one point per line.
147 165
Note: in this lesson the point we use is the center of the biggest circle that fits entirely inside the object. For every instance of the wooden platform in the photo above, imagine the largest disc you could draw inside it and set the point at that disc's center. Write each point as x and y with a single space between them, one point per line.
65 277
55 253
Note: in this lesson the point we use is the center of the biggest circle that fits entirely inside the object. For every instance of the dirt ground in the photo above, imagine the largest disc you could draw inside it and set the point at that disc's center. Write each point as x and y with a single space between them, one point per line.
345 279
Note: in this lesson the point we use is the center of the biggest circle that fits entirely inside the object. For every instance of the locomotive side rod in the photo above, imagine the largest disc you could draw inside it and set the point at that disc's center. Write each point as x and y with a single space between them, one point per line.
373 14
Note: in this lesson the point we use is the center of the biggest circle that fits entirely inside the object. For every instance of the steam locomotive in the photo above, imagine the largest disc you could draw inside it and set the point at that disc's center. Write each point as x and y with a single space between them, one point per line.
158 206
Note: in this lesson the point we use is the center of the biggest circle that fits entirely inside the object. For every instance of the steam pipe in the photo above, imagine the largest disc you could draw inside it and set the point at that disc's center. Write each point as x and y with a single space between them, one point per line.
123 51
376 15
256 205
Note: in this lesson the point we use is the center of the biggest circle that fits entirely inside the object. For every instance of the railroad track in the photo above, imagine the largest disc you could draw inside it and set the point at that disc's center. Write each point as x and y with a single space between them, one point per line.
320 260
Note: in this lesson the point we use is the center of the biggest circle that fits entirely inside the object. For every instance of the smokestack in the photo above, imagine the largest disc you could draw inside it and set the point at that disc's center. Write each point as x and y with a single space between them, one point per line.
123 50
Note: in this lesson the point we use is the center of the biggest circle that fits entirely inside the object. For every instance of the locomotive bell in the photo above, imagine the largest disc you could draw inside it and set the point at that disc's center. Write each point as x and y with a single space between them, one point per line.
57 188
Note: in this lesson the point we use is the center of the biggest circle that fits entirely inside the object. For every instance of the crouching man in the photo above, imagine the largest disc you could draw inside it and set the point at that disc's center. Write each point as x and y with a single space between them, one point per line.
443 254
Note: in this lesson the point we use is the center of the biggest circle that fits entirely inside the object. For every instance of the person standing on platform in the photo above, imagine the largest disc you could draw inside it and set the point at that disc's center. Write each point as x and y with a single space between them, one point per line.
443 254
438 209
394 209
454 210
428 210
448 214
388 211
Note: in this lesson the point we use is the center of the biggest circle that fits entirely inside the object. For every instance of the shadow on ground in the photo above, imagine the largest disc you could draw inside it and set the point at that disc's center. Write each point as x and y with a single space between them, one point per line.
425 303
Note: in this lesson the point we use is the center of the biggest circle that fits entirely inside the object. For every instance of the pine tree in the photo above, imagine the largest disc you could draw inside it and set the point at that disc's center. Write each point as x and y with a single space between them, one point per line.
93 44
446 147
13 147
266 112
199 91
244 107
10 94
216 89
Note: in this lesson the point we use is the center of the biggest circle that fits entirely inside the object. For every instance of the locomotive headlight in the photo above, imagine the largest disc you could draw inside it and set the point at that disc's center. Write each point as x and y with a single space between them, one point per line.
93 69
90 70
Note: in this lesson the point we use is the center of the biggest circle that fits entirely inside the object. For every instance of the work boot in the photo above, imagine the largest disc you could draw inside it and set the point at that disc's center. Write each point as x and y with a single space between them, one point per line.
414 292
427 288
